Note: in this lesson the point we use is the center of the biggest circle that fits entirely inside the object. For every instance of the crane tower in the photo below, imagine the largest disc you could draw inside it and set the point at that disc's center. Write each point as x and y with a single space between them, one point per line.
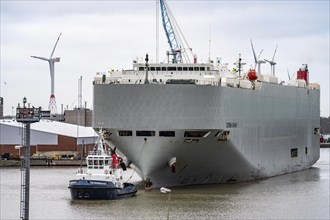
176 40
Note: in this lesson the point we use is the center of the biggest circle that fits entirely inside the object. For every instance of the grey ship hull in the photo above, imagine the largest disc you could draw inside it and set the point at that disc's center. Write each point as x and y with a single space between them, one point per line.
271 131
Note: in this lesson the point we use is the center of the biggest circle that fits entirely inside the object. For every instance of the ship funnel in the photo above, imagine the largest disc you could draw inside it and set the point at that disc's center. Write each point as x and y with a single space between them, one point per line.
302 73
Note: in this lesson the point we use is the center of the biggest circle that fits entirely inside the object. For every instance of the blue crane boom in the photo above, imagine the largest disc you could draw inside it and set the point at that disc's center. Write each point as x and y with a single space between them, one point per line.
170 34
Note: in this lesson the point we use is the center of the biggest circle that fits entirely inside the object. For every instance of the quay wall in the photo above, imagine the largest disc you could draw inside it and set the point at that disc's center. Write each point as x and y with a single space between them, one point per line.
17 163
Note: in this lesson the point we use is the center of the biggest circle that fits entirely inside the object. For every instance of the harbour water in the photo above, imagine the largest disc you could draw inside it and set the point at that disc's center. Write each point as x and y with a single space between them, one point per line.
300 195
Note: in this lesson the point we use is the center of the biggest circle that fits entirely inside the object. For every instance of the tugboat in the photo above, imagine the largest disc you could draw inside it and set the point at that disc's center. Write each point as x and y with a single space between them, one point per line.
103 179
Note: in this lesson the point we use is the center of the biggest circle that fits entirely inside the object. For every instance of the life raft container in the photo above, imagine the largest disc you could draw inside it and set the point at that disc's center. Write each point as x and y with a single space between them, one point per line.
252 75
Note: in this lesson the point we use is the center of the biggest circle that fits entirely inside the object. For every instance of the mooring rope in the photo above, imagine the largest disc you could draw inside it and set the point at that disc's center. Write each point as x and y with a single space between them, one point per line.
137 161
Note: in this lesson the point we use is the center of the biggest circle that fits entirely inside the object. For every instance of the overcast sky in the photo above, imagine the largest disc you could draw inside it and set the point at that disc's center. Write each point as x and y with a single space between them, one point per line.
100 35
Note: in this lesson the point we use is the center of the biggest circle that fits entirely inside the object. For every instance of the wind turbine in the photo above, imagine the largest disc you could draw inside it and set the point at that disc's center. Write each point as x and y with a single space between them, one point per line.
257 61
52 102
272 63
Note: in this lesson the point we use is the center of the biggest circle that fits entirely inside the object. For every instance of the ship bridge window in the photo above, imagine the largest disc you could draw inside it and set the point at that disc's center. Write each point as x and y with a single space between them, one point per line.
191 68
158 68
166 133
202 68
163 68
152 68
171 68
145 133
141 68
196 68
196 134
125 133
90 164
179 68
184 68
101 164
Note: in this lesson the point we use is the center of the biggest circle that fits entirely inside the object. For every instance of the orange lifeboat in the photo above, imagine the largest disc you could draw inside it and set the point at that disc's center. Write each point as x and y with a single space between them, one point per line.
252 75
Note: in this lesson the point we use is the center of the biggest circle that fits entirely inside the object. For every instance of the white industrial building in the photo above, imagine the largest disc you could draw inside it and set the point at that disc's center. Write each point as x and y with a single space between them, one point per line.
46 136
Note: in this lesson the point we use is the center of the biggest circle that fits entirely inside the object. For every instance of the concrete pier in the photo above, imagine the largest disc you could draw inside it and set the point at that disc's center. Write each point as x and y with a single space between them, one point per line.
14 163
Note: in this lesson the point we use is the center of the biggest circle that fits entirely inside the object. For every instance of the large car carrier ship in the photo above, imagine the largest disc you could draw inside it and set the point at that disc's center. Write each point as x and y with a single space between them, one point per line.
201 123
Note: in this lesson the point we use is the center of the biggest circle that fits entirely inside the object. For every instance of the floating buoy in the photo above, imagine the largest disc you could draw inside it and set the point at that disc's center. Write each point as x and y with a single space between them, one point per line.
164 190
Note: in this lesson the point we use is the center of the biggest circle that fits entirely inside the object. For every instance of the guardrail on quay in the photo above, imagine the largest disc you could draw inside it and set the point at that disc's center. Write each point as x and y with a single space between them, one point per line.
13 163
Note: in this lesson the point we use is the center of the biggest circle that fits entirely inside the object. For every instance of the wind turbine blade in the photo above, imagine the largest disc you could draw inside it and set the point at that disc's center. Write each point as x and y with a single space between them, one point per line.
275 52
51 55
41 58
260 54
254 54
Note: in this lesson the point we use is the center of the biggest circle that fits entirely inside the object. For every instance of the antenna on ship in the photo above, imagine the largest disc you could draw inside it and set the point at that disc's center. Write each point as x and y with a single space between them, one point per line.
52 102
157 31
210 45
272 63
257 61
146 81
239 65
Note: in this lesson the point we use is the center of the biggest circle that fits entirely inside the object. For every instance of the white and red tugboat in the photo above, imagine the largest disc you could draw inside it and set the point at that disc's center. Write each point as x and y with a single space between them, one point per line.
102 179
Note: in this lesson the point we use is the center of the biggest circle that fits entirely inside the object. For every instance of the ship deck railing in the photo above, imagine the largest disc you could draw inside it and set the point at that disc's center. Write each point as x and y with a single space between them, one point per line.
225 82
151 81
97 152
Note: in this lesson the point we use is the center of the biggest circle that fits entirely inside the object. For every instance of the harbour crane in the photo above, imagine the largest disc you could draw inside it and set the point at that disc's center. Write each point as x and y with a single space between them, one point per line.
176 40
